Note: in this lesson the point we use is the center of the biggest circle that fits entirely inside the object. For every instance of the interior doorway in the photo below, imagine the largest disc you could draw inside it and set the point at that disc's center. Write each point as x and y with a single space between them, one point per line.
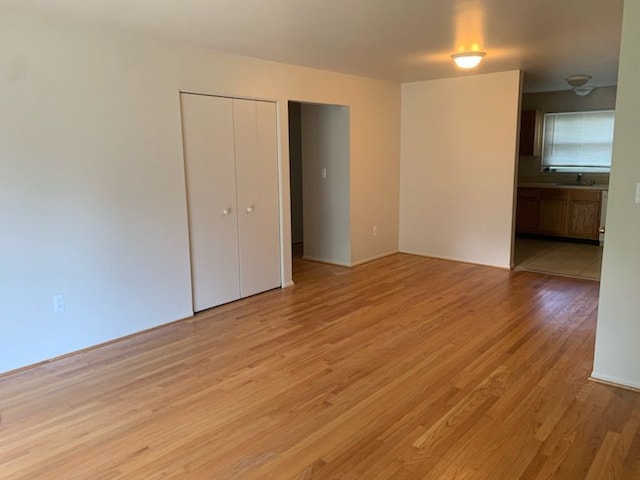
559 215
295 179
319 154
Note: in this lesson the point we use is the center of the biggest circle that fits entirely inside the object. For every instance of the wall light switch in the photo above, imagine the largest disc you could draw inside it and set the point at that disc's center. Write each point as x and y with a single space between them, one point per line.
324 173
637 192
58 303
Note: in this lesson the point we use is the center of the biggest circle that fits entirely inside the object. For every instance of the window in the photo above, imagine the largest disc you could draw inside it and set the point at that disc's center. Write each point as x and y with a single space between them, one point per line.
577 141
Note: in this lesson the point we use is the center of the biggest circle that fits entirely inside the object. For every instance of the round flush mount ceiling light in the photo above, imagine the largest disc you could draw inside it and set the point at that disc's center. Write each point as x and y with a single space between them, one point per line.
468 60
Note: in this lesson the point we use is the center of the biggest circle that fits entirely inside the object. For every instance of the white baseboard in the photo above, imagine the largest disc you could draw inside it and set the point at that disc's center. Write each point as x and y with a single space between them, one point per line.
325 260
288 284
615 382
375 257
344 264
457 260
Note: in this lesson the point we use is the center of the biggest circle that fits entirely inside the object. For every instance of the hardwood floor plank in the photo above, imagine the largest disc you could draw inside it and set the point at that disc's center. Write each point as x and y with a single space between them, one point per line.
403 368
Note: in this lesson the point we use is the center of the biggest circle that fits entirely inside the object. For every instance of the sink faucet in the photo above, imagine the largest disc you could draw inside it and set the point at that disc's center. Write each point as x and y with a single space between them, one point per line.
579 179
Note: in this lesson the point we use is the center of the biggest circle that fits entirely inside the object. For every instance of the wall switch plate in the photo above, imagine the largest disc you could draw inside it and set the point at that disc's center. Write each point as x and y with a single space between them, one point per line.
375 230
324 173
58 303
637 192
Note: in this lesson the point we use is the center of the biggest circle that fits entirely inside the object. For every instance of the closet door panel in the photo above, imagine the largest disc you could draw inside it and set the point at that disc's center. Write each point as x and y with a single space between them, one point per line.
207 124
258 203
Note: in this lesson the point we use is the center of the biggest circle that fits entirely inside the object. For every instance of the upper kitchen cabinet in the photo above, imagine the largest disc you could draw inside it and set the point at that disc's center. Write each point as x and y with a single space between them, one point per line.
531 133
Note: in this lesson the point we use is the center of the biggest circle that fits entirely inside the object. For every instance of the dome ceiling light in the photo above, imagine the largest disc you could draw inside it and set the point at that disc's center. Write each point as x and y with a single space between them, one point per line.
468 60
579 85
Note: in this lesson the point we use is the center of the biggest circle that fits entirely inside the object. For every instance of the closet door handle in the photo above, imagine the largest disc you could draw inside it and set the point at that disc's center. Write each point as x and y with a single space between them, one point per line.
250 209
226 212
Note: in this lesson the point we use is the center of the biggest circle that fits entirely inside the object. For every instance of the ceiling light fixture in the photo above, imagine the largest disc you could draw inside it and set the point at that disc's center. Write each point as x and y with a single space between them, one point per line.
468 60
579 84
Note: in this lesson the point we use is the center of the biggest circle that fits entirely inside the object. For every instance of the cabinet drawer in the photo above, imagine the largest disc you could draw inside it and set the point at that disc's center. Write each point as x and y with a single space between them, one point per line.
528 192
589 195
556 193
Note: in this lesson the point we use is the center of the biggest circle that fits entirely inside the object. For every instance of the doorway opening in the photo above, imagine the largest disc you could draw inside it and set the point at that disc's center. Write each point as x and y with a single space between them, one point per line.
319 153
560 214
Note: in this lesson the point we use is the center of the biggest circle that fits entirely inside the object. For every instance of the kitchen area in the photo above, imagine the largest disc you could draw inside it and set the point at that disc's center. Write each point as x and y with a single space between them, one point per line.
561 211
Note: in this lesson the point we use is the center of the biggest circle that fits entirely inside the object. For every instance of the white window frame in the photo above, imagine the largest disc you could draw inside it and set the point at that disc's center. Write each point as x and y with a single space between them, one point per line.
600 161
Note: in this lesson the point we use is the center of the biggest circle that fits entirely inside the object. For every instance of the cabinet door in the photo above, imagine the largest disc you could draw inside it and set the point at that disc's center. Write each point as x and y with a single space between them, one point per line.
553 212
527 211
530 133
207 129
258 205
584 214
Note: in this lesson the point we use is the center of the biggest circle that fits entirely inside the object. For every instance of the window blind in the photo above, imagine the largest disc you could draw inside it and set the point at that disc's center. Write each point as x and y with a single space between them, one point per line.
578 140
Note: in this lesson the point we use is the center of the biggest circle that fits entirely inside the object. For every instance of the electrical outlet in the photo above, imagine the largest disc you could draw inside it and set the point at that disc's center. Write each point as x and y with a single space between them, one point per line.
375 230
637 192
58 303
324 173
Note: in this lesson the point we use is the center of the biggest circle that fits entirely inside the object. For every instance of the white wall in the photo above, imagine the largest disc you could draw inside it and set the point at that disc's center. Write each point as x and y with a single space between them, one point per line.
92 193
457 167
617 357
602 98
325 146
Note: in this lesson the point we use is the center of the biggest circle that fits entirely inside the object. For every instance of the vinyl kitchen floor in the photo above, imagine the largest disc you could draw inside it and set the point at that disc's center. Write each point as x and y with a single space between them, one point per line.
558 257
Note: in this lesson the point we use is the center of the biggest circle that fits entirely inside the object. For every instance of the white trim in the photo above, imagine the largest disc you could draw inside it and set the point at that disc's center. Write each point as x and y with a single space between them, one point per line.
324 260
344 264
375 257
237 97
458 260
616 382
284 193
288 284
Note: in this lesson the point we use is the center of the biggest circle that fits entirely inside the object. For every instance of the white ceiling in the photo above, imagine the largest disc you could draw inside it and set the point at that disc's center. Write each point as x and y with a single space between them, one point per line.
401 40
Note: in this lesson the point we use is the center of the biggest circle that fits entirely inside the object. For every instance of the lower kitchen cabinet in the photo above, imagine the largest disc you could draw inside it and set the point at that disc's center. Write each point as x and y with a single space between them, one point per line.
528 210
553 212
584 214
559 212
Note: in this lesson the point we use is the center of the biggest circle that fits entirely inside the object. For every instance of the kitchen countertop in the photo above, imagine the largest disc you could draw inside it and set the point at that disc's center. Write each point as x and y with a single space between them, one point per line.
560 185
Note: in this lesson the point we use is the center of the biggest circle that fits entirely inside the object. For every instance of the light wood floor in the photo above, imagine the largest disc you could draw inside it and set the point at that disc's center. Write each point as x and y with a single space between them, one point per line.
405 368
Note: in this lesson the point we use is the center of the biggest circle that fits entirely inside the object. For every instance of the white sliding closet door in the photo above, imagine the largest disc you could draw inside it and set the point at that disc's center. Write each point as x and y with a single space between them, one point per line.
257 181
211 194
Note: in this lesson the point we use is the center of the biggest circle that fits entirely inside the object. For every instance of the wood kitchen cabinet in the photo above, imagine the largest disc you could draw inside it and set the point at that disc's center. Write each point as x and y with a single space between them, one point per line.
559 212
528 210
584 214
531 133
553 211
